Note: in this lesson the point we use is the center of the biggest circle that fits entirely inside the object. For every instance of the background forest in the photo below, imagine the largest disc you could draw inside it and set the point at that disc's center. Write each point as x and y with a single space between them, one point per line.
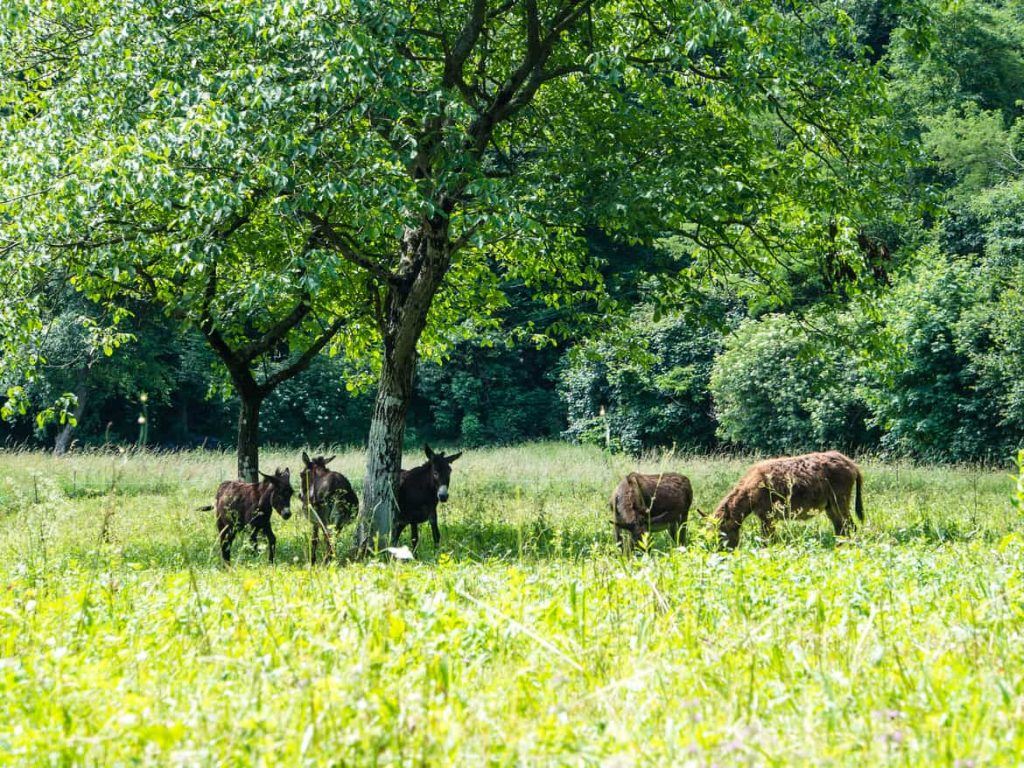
925 359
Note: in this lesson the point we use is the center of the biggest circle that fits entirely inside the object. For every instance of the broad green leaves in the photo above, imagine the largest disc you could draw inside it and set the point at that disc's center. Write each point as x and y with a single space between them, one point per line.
145 148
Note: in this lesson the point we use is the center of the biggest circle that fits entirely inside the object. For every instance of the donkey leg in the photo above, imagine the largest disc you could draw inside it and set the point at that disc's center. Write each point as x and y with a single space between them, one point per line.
624 539
841 521
271 542
434 530
396 533
677 531
313 542
227 535
767 526
415 535
844 508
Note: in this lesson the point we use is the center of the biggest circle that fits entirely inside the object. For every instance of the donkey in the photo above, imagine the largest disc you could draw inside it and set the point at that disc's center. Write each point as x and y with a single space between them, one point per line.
642 503
419 491
240 505
329 494
792 488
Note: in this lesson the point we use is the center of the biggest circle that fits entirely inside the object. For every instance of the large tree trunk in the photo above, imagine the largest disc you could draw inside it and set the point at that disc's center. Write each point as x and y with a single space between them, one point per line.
425 259
63 441
384 449
248 438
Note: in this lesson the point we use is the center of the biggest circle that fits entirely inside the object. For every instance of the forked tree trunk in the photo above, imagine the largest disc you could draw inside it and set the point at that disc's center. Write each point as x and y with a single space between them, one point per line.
425 259
248 446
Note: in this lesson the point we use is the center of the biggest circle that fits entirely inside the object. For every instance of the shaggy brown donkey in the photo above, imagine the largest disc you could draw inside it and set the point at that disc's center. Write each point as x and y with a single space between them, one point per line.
330 495
642 503
240 505
792 488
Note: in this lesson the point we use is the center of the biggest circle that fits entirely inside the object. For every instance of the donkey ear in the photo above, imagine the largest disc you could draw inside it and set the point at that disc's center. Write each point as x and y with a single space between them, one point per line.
266 476
453 457
328 461
305 459
426 450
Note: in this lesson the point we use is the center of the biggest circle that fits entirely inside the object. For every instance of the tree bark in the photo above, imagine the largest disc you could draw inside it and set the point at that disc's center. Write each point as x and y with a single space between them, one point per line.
384 449
248 446
425 259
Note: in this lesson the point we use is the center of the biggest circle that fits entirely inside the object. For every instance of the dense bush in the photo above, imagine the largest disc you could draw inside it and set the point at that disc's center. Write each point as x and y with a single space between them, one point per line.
315 409
650 376
779 388
487 395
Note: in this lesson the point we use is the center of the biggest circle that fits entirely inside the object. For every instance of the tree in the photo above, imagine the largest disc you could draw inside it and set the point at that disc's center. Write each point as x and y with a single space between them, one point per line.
137 182
91 371
512 127
951 390
346 159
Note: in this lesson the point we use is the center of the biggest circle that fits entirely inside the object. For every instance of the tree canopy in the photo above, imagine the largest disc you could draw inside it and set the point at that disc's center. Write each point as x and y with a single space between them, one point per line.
390 182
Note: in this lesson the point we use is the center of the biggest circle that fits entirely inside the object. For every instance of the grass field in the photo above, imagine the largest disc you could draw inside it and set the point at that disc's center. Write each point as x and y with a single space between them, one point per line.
526 639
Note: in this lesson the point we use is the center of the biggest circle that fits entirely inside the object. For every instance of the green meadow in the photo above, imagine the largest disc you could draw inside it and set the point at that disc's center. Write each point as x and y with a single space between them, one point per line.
524 639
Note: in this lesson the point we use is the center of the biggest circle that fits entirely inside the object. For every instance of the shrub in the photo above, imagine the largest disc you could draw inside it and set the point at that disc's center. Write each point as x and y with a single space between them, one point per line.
778 389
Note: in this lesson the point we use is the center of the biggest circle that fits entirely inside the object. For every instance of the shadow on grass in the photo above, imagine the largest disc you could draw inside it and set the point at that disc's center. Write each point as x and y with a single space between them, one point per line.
460 542
532 541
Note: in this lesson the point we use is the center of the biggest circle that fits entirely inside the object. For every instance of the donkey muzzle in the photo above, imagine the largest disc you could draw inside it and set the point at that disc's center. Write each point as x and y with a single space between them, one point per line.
442 493
286 512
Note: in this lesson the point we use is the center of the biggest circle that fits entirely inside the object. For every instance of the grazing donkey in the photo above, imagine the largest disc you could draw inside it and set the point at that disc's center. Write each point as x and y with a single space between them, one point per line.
329 494
249 504
419 491
642 503
792 488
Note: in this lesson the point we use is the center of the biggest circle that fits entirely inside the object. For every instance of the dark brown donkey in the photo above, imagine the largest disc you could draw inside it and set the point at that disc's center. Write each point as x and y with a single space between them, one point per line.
792 488
419 491
642 503
240 505
330 495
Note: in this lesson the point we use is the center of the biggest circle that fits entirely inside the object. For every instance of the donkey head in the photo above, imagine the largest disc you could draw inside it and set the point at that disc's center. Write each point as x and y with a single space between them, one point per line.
728 521
314 468
440 470
280 491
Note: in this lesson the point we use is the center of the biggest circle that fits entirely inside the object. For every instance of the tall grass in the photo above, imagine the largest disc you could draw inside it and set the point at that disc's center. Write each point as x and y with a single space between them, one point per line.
526 638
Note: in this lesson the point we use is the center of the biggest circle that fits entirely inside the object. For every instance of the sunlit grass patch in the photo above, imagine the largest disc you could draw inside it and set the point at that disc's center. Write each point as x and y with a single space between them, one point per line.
526 638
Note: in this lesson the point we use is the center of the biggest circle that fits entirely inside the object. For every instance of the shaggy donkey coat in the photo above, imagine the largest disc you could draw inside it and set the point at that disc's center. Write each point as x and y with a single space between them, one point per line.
642 503
792 488
240 505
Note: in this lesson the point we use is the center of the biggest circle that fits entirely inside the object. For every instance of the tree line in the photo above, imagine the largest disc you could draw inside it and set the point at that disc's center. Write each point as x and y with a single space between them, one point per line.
707 223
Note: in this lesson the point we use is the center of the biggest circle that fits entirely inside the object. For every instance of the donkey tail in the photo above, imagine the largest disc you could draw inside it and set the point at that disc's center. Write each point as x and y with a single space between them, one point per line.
859 503
207 508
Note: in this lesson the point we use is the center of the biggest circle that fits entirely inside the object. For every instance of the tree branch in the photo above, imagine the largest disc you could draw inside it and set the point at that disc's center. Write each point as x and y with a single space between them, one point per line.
326 236
302 362
276 332
522 84
456 58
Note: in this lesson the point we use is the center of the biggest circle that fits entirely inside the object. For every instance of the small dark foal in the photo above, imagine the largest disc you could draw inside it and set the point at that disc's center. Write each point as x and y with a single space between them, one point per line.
240 505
